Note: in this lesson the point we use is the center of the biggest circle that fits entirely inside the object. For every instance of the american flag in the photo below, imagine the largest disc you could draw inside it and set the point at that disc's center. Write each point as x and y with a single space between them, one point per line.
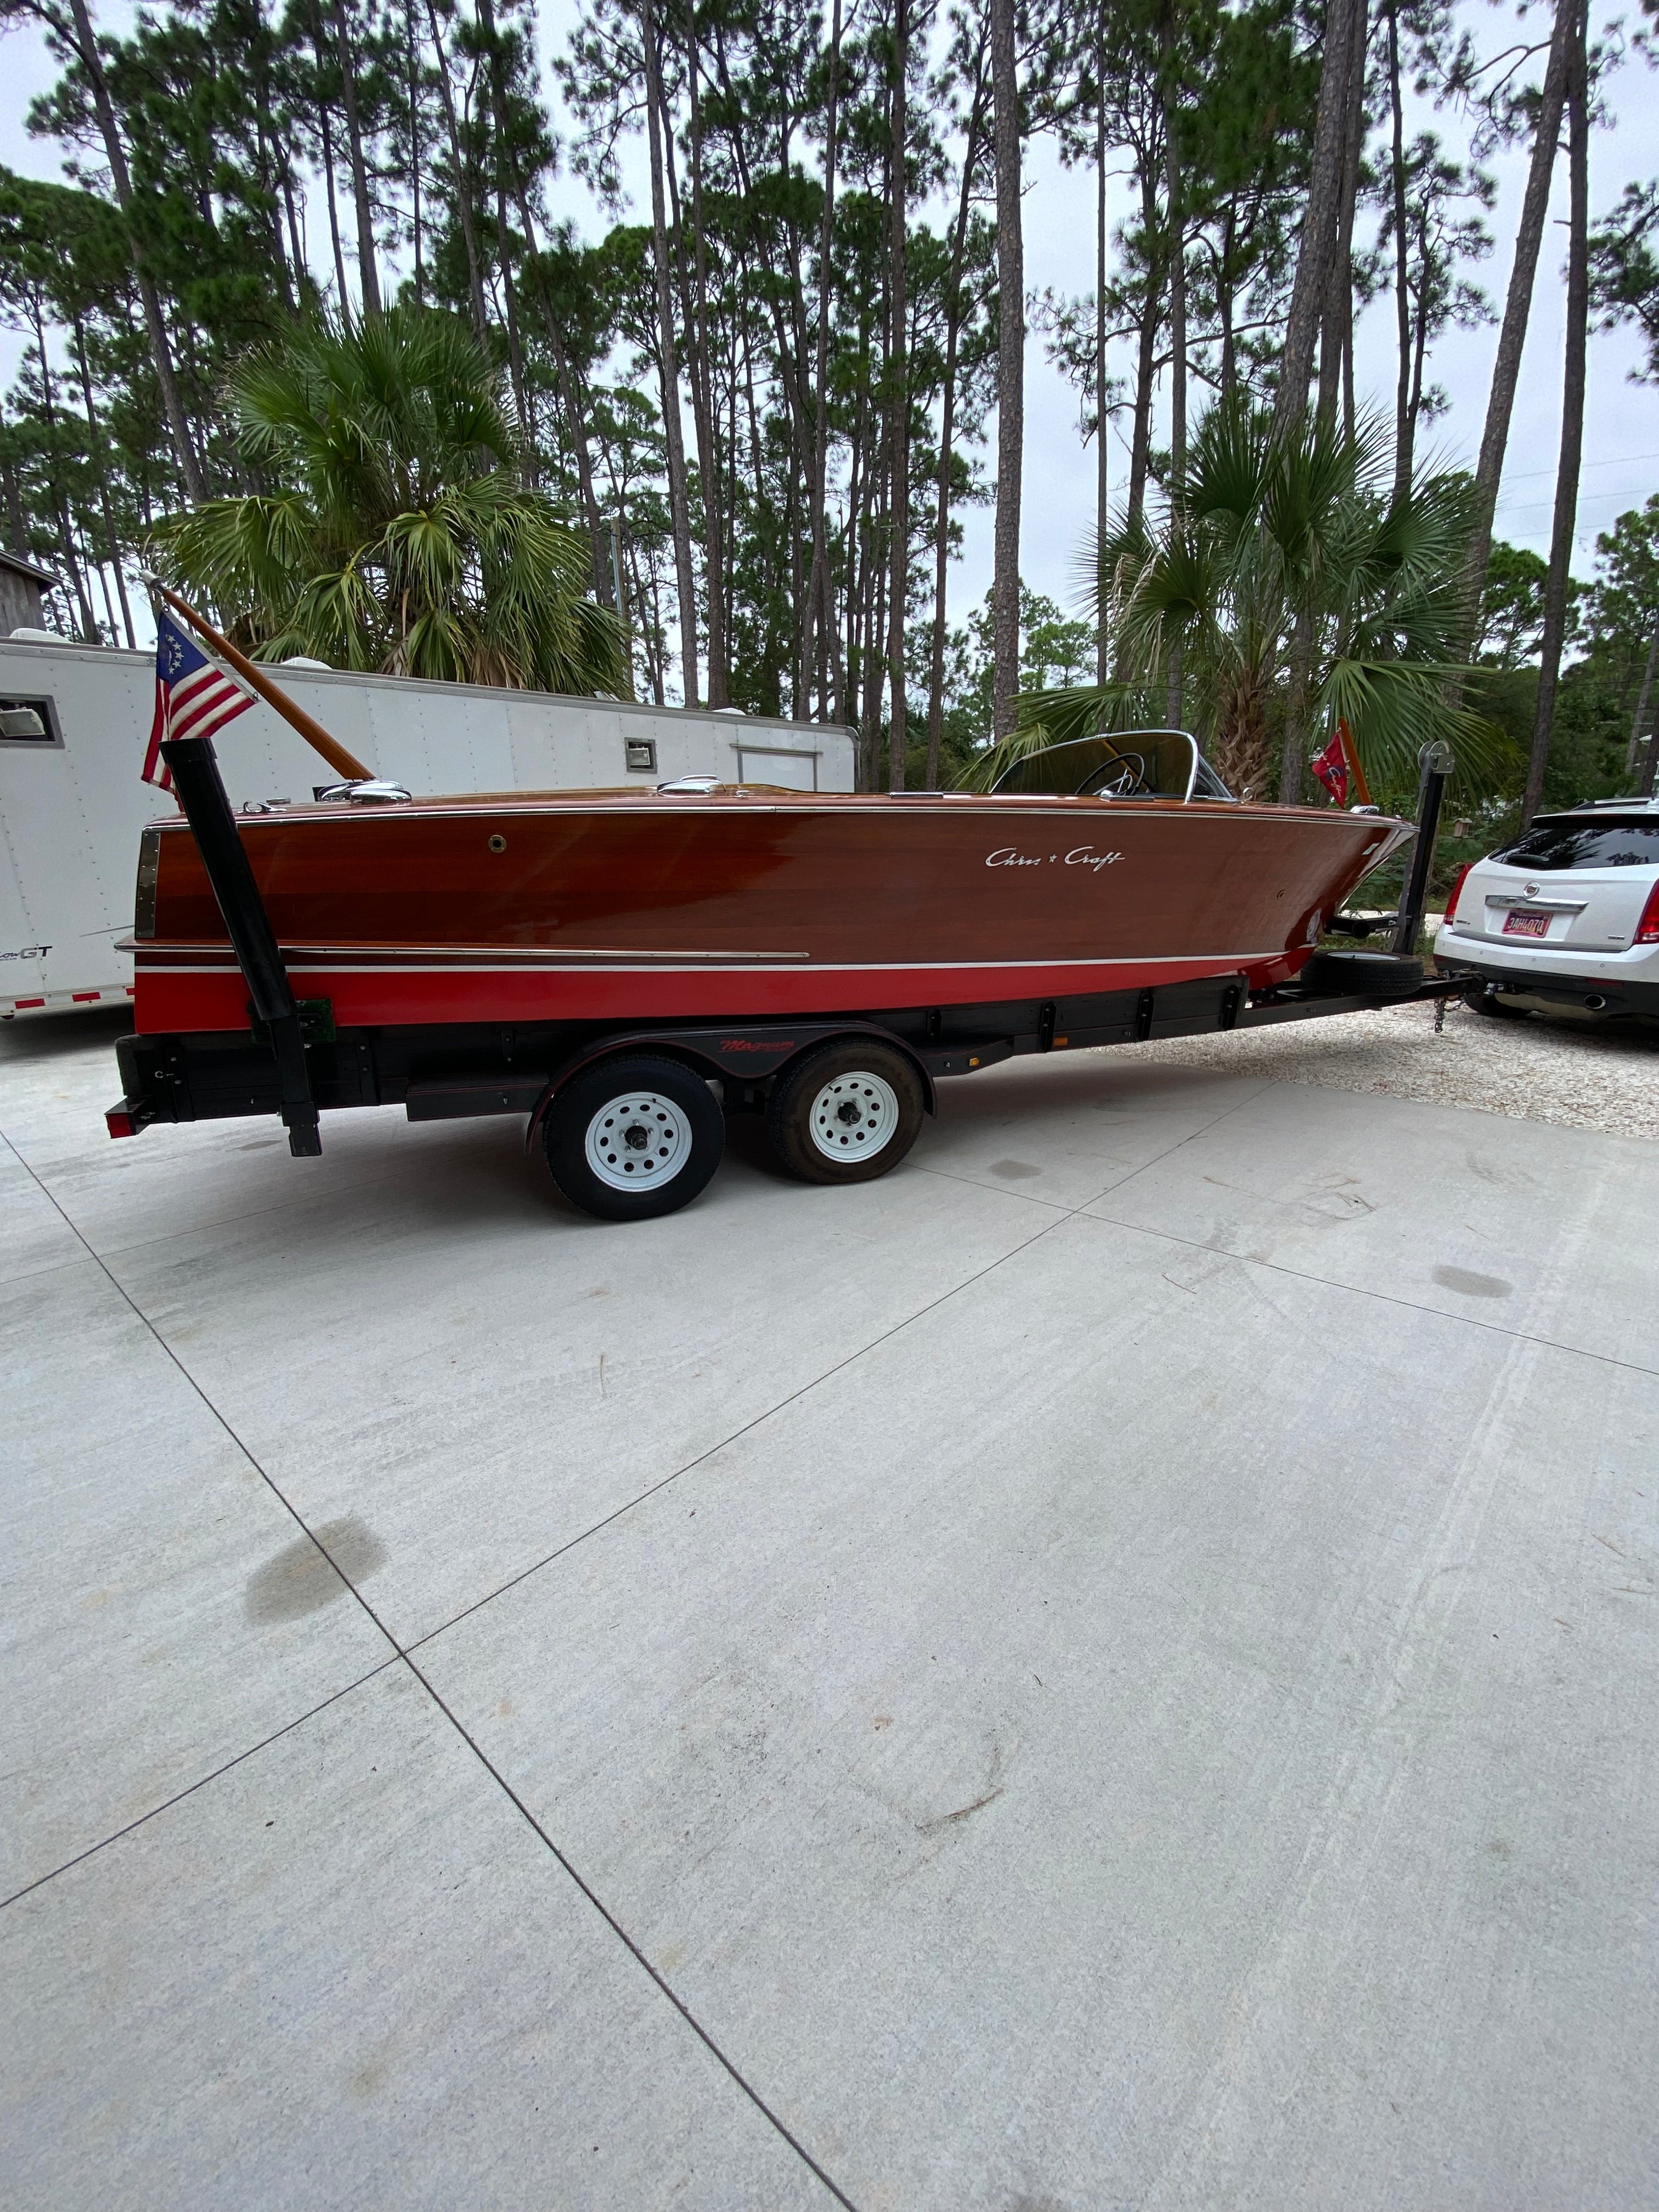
193 697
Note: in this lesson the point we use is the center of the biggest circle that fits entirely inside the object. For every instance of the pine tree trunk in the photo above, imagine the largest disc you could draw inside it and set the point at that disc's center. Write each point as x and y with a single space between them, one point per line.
970 156
100 466
1338 359
1102 484
673 429
1517 307
820 611
1639 719
411 51
570 395
86 45
506 170
60 504
703 396
1225 291
857 493
1295 704
333 206
1404 458
1011 371
463 181
367 280
874 661
1140 436
1176 218
1322 209
1572 415
898 377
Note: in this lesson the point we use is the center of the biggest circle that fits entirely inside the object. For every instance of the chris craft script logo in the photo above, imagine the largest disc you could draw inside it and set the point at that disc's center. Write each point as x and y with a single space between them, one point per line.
1080 856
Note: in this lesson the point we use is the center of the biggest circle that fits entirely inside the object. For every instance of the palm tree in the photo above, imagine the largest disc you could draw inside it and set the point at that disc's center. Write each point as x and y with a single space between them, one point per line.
399 536
1296 589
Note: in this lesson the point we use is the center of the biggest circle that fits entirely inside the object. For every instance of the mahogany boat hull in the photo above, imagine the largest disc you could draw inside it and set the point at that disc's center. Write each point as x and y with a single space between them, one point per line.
628 907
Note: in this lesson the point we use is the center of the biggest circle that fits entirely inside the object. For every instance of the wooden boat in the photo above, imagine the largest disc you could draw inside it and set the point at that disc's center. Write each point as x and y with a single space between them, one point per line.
476 954
712 901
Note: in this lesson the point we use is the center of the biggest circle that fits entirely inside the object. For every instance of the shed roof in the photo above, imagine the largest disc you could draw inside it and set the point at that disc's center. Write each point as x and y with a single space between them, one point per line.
20 566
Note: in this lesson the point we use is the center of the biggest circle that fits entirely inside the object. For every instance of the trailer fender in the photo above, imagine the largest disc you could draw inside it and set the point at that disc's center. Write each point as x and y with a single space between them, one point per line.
744 1052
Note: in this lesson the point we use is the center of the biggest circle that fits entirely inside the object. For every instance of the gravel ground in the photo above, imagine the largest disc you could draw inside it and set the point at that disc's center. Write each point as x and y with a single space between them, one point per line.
1584 1076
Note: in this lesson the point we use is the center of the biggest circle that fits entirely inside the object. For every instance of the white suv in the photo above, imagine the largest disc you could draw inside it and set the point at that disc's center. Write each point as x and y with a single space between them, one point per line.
1564 920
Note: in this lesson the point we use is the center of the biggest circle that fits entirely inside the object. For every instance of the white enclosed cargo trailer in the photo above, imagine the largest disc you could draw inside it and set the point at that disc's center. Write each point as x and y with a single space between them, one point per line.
71 804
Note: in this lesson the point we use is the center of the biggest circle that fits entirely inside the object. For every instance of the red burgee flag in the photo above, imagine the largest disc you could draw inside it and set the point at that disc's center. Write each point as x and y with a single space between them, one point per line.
1331 767
193 697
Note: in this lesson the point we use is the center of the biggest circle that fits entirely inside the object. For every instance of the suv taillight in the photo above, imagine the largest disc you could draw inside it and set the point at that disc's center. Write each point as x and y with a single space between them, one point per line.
1457 885
1647 930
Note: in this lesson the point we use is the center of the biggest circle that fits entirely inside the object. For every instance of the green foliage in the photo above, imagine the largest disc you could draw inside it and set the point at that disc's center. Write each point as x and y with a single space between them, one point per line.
247 131
1511 607
1283 567
1624 272
397 535
1054 649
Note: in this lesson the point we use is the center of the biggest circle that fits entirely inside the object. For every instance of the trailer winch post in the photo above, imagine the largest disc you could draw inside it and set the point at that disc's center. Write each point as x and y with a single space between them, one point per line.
201 792
1436 763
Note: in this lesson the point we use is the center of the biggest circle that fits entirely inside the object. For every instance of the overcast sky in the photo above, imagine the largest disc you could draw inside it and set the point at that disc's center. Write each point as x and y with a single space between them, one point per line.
1621 435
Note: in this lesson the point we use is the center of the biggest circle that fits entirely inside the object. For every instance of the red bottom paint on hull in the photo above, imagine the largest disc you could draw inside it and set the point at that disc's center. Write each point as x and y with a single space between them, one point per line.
180 999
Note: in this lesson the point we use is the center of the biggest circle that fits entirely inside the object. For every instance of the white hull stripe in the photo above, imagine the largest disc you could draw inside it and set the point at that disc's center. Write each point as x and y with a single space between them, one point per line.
311 965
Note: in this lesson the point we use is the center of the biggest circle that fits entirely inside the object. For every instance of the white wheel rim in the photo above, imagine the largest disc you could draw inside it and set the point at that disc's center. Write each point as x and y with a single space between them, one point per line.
854 1115
638 1141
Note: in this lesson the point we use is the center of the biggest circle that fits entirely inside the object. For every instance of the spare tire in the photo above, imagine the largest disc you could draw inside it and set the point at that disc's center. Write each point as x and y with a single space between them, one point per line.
1363 975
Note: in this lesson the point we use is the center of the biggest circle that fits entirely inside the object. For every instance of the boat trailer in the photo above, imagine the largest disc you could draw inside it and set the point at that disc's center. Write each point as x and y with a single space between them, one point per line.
293 1060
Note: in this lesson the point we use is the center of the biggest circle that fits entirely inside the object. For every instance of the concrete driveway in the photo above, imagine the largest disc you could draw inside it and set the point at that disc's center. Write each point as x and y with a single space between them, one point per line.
1116 1666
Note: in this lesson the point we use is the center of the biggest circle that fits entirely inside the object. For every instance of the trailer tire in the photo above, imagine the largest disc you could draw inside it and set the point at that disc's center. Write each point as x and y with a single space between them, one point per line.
846 1112
1365 975
633 1137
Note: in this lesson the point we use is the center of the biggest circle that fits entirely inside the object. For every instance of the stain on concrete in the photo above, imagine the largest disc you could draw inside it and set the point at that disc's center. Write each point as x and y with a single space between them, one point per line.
1014 1170
962 1813
992 1788
1471 1285
369 2080
299 1579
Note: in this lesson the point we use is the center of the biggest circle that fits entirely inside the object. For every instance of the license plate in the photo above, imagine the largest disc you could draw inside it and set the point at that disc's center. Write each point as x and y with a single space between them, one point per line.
1526 924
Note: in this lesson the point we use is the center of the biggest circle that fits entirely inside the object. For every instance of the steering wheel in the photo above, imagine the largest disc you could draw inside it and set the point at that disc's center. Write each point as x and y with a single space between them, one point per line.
1123 777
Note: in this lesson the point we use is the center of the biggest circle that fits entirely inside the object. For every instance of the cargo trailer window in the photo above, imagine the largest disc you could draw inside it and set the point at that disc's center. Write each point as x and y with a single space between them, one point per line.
29 721
1549 845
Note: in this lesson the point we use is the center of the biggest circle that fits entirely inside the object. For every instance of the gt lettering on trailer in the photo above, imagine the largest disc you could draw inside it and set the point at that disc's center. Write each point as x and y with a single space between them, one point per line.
752 1044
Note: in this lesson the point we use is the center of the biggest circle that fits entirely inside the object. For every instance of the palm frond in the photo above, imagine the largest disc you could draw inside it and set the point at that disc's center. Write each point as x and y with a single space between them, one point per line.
402 537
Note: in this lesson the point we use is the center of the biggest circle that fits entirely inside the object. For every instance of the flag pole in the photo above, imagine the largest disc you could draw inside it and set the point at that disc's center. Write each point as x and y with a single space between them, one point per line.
344 764
1351 754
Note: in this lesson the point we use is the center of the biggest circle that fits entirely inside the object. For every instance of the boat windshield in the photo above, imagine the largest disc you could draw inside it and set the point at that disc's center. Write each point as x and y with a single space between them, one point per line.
1117 764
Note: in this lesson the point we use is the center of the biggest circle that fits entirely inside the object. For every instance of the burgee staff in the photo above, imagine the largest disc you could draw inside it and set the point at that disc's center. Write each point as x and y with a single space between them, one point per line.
345 765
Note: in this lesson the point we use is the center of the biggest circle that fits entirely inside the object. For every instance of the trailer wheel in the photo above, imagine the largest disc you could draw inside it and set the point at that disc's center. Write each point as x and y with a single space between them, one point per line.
632 1138
846 1113
1368 975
